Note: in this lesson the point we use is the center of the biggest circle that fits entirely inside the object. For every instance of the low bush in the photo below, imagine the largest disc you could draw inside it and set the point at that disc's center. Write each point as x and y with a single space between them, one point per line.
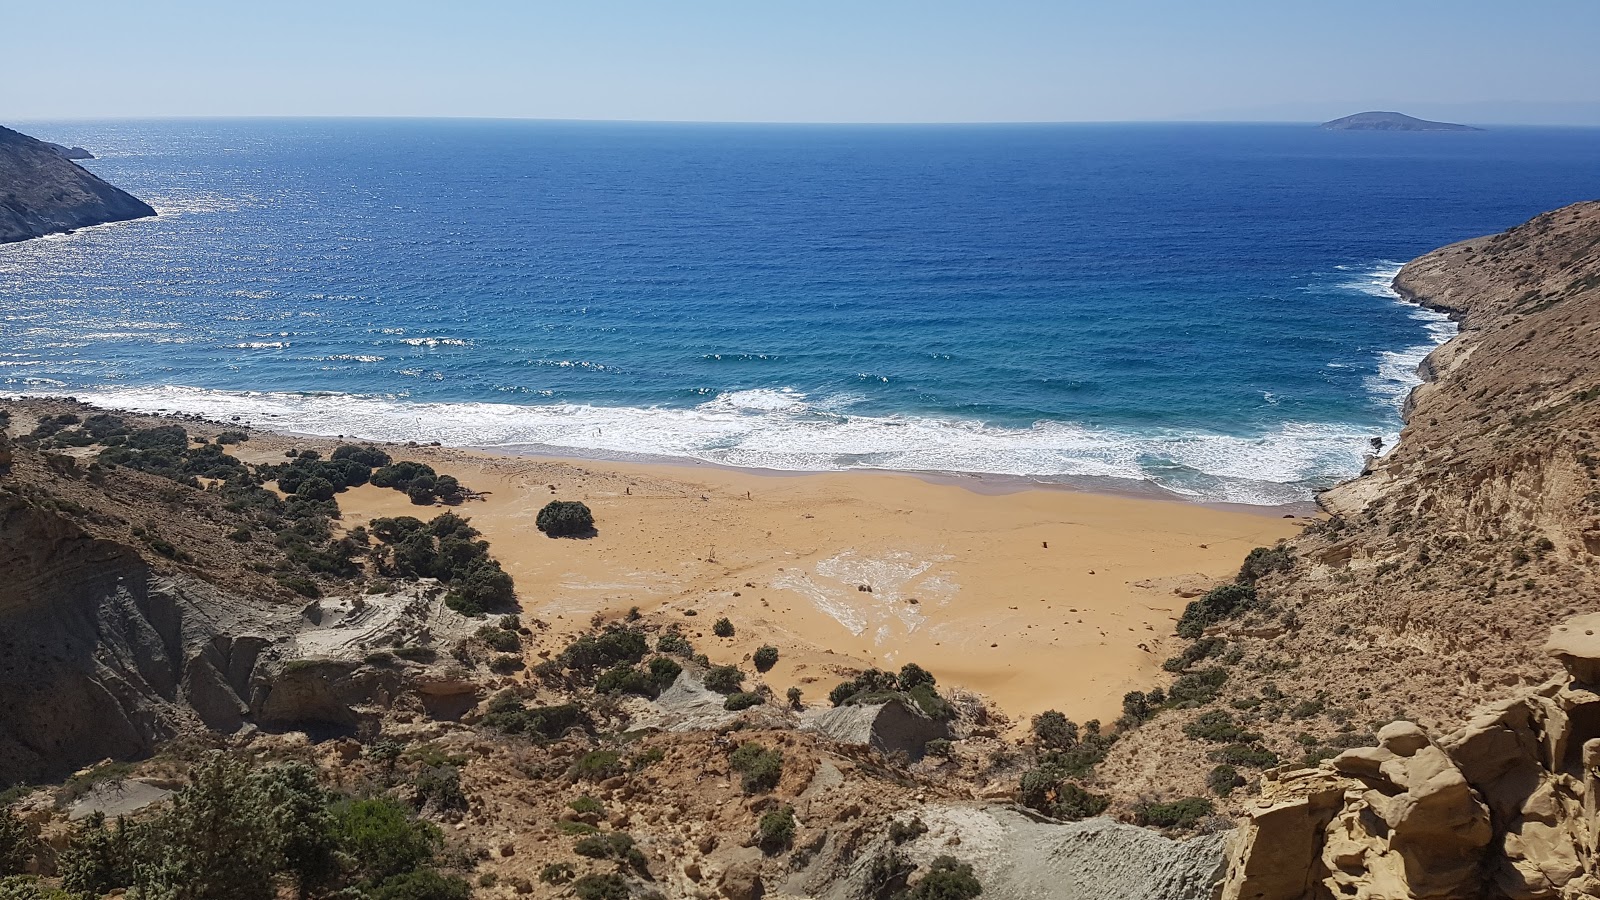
1253 755
609 886
565 518
597 765
723 628
1263 561
1053 730
1184 813
1218 727
1196 688
557 873
612 845
761 768
1218 604
724 679
1223 779
765 658
743 700
1048 790
775 830
946 879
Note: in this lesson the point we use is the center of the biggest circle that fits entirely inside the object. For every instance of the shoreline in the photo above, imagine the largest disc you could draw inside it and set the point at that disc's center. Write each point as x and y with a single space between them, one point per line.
988 483
1034 597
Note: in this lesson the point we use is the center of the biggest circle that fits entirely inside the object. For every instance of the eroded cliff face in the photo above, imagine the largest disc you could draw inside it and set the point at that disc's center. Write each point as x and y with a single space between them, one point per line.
42 191
101 657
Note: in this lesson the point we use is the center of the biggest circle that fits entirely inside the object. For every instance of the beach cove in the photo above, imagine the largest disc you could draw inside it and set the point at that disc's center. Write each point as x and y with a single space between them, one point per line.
1037 599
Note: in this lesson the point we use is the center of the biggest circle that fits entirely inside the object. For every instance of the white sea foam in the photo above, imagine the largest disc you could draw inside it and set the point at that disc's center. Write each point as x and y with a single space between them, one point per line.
1399 370
785 430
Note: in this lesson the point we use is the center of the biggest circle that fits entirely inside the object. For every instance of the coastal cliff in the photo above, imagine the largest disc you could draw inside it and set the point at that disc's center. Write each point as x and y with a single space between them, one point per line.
1425 597
43 192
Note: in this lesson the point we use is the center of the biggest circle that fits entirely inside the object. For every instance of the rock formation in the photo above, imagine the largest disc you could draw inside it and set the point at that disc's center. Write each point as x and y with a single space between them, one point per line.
43 192
66 152
1503 808
1390 121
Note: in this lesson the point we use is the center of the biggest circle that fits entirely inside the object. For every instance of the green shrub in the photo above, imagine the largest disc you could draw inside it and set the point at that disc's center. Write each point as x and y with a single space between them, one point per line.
1201 649
611 647
17 844
439 787
1218 604
1218 727
1197 687
565 518
1048 790
625 680
383 839
765 658
761 768
724 679
1184 813
500 640
664 672
900 832
723 628
609 886
675 643
558 873
586 805
776 830
1253 755
793 694
1263 561
1223 779
939 747
743 700
509 714
1054 730
613 845
29 887
946 879
422 884
597 765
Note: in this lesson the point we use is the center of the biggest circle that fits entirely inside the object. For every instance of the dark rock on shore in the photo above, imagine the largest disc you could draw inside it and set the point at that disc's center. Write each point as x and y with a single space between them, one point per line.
66 152
1390 121
42 192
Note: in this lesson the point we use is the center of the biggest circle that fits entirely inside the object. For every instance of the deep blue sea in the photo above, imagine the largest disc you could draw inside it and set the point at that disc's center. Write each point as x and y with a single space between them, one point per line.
1199 307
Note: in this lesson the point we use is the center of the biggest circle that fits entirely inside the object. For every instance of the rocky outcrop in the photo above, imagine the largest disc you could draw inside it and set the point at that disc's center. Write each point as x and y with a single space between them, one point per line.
43 192
65 152
1503 808
891 727
1015 854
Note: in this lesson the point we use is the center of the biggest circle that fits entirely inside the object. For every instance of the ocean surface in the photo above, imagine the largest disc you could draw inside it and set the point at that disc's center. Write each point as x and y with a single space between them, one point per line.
1203 308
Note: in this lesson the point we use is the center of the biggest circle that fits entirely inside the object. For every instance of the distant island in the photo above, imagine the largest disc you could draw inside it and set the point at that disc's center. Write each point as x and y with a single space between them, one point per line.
43 192
1391 121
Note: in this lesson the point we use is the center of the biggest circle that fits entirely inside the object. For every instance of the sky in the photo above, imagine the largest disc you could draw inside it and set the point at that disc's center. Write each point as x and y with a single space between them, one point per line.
1528 62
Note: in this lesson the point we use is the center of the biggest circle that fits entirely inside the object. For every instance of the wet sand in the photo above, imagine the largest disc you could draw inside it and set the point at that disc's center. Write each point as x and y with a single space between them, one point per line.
1037 599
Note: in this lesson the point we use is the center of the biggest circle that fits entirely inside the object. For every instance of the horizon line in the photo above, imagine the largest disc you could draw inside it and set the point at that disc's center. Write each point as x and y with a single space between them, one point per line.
764 122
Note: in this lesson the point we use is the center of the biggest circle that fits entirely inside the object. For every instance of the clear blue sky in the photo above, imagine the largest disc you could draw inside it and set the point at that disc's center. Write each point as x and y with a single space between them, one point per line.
823 60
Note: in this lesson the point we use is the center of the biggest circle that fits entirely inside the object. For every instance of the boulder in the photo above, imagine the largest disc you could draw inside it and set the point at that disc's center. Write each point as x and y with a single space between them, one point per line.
1576 642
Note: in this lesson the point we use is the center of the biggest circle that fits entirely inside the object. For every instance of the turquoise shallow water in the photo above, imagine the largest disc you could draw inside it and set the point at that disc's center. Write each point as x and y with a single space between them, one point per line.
1199 307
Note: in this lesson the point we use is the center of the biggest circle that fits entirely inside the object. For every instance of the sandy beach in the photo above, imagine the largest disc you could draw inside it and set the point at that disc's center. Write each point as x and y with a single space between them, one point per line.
1037 599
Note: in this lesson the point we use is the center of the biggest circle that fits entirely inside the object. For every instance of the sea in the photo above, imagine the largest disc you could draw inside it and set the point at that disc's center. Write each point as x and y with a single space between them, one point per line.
1196 310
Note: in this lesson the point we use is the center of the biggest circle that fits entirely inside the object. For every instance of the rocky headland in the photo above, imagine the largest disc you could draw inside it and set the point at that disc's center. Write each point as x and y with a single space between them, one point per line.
43 192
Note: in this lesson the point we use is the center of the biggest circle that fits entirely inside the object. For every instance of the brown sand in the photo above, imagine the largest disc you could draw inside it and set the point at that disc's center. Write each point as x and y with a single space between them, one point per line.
961 582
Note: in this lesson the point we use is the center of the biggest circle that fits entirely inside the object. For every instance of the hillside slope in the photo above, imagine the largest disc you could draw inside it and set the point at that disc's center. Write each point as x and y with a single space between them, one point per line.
42 192
1431 586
